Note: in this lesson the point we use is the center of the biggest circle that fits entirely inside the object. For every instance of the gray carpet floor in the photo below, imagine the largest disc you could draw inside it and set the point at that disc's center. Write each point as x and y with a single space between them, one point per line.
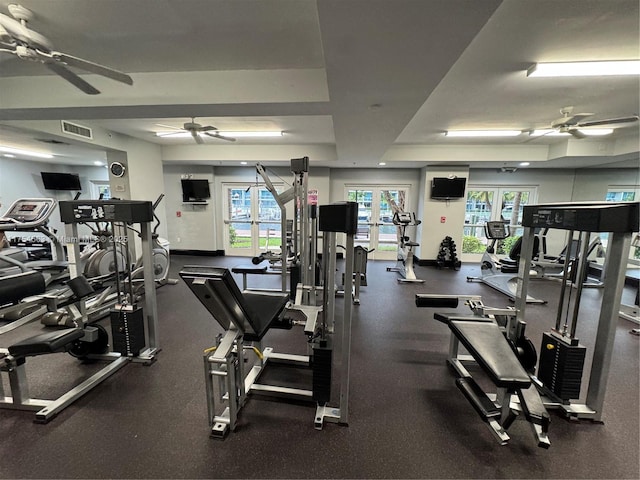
407 418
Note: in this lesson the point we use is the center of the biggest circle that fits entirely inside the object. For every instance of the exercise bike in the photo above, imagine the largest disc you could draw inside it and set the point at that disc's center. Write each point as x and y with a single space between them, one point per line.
404 264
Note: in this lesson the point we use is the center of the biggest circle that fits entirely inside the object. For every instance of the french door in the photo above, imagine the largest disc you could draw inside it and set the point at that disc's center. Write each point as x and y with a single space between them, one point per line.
376 206
493 203
251 220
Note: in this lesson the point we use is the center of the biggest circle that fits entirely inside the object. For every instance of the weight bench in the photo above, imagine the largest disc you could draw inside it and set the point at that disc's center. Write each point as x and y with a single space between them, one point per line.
249 269
487 346
14 364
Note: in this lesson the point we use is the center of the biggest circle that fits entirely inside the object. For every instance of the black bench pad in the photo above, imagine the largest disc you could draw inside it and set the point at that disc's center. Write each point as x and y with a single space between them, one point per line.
486 343
49 342
446 317
250 268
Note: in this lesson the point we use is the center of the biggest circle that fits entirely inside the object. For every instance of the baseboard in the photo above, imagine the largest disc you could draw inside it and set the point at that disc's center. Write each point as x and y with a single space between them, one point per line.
198 253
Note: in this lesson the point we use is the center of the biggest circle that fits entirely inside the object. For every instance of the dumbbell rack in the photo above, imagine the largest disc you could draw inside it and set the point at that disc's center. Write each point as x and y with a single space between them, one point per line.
447 255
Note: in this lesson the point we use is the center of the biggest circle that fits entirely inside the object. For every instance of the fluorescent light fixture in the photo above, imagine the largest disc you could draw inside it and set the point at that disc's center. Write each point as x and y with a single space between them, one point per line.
19 151
589 132
382 164
224 133
243 163
524 164
584 69
482 133
8 155
98 163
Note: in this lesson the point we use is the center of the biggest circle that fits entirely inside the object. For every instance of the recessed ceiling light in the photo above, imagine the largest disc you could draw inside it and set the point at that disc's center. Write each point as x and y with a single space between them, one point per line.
243 163
524 164
582 69
382 164
482 133
8 155
98 163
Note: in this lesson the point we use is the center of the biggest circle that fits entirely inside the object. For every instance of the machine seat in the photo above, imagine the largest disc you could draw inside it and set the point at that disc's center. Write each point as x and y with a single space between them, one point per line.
488 346
411 244
252 313
43 343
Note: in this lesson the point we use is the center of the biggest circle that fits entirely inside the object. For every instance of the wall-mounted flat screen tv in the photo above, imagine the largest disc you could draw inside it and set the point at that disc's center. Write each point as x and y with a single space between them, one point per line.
195 190
446 188
61 181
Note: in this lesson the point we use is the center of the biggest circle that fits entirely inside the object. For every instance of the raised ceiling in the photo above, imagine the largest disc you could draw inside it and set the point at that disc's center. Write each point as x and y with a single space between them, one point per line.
352 82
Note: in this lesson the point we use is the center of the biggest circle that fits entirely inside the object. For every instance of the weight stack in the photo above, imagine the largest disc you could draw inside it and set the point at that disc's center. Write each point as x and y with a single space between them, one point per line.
561 367
321 368
127 331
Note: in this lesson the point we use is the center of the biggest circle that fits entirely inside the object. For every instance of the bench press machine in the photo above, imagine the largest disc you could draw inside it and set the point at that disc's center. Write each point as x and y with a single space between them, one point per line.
496 341
247 316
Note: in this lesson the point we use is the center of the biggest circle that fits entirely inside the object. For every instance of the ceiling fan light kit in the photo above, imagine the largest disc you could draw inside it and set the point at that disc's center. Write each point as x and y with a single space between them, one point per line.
16 38
584 69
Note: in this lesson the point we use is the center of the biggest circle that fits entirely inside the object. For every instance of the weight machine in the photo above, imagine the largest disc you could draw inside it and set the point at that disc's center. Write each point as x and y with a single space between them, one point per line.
231 375
134 330
562 356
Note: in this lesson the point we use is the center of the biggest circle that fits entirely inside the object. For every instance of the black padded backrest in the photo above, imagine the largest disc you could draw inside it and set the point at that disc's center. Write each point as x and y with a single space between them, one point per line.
514 253
219 293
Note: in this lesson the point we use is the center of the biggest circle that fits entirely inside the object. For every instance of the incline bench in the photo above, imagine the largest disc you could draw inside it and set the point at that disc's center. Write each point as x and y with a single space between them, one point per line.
487 345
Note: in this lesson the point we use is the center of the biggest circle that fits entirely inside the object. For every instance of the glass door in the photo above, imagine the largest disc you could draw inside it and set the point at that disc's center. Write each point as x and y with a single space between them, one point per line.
493 204
376 206
252 220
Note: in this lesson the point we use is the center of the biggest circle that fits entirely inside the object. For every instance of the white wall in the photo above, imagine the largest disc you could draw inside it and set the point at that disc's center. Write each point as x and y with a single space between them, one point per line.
592 184
440 218
195 228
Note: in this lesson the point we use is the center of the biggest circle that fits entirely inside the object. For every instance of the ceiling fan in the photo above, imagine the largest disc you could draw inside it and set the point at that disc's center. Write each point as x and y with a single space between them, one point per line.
195 129
16 38
573 123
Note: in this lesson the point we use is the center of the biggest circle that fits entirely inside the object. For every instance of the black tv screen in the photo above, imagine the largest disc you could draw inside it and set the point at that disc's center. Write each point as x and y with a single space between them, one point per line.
61 181
445 188
195 190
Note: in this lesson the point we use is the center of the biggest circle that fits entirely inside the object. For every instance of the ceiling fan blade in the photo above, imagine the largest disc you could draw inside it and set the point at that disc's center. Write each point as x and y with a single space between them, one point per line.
611 121
172 134
221 137
570 121
178 129
92 67
197 137
72 78
208 128
576 133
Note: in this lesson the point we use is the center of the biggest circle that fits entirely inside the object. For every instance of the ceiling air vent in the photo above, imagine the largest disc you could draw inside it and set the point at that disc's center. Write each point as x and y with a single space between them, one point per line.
77 130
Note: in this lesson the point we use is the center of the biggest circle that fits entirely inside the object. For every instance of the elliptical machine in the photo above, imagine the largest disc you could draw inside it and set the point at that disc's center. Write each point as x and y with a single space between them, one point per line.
499 274
404 264
159 255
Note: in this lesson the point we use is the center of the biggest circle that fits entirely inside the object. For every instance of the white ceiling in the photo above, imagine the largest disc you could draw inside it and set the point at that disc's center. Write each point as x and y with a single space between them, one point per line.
351 82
